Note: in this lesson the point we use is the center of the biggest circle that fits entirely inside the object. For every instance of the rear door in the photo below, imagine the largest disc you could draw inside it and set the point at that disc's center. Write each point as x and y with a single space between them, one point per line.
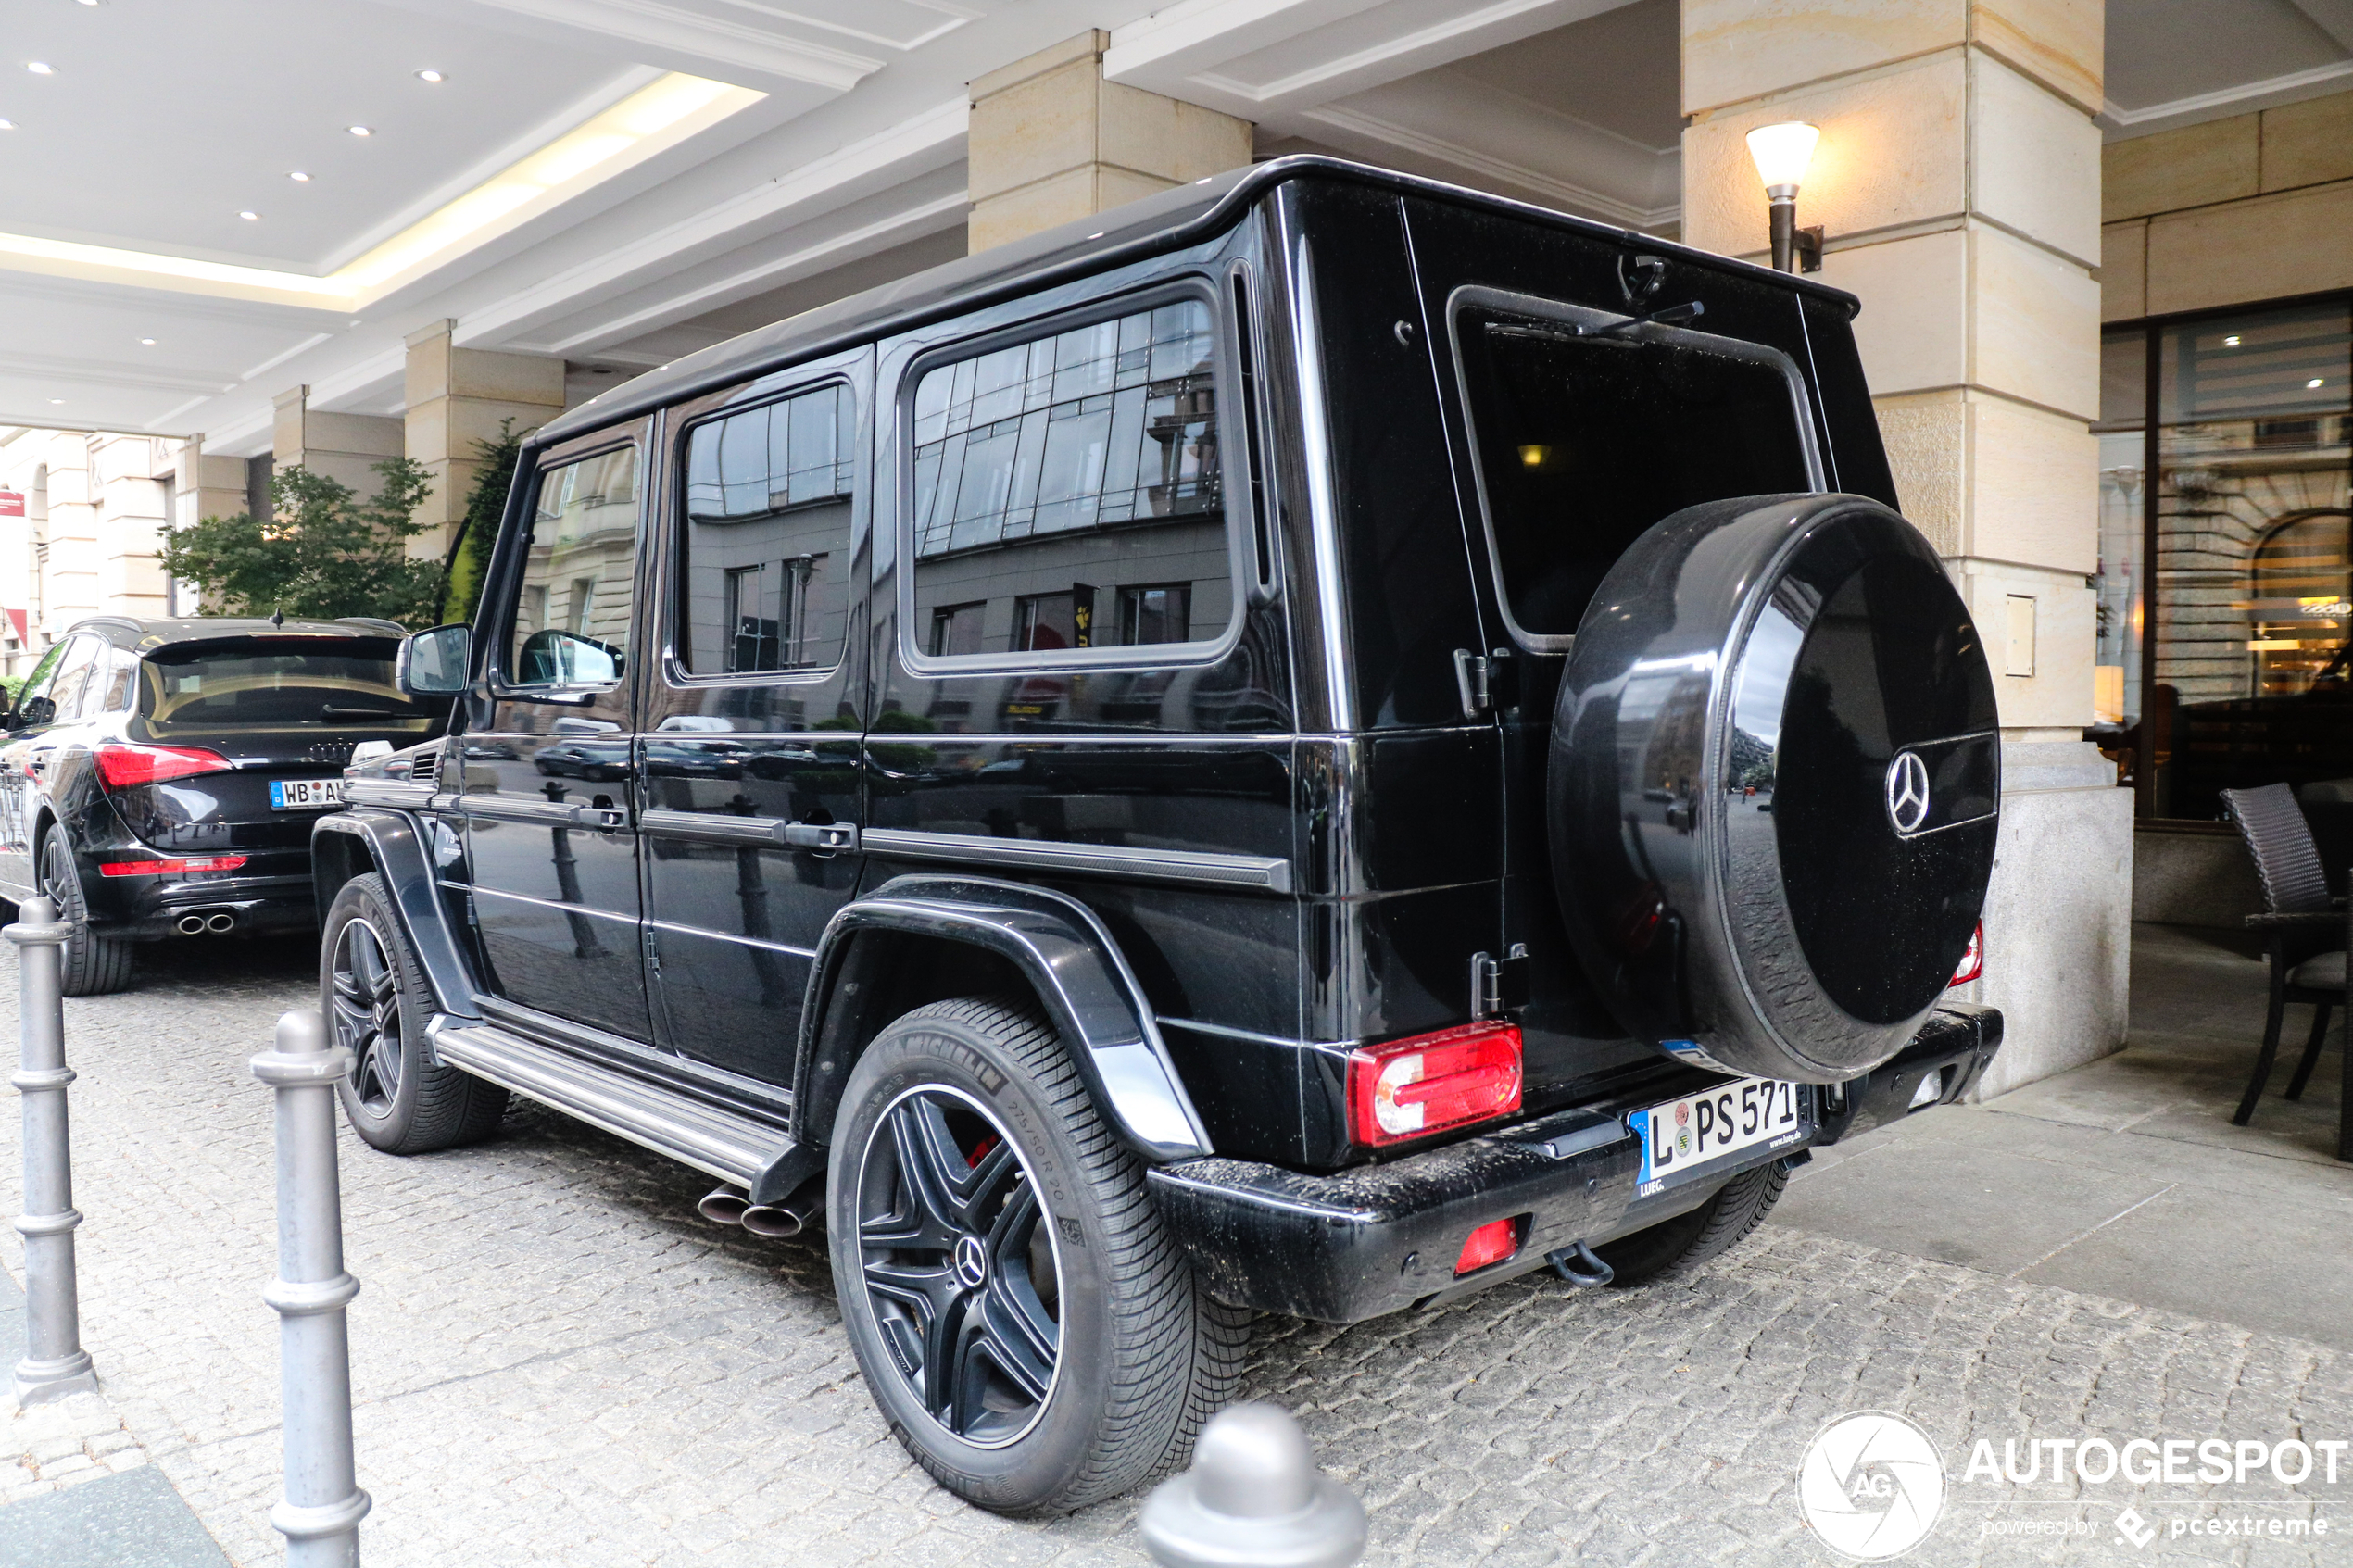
547 794
751 784
36 703
1567 447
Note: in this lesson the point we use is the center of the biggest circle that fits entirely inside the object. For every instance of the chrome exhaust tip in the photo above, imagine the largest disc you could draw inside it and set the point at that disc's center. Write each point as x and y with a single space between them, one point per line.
726 1207
221 924
191 925
800 1212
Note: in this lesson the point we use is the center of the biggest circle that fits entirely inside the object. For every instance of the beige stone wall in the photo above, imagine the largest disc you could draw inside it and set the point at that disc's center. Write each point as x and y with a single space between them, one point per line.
457 398
1051 141
2253 207
346 447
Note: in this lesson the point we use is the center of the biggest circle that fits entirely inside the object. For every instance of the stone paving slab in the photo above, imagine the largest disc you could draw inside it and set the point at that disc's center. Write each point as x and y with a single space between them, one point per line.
556 1362
132 1520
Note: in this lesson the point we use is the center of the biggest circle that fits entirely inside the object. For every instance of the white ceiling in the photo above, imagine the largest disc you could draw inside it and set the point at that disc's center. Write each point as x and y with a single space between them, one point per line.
165 117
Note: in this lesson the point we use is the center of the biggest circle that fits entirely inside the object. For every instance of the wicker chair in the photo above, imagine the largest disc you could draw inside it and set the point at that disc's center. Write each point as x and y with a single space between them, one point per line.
2305 927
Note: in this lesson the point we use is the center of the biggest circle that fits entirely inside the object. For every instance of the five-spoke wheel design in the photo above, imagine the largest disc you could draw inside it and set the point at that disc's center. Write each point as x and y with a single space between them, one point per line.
366 994
963 1282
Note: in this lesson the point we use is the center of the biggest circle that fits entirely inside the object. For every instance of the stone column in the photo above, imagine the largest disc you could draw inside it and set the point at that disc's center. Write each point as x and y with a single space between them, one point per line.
131 477
458 397
346 447
67 552
1958 179
203 485
1051 141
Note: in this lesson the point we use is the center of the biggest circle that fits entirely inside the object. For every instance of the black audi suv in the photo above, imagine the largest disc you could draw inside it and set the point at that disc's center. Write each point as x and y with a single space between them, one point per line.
159 778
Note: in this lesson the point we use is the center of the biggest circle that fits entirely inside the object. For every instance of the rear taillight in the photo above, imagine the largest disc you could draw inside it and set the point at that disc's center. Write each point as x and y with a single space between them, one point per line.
1413 1088
1973 960
1488 1245
170 868
124 763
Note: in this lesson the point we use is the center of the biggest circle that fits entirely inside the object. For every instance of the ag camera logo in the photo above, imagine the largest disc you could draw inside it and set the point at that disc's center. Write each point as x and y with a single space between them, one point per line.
1871 1486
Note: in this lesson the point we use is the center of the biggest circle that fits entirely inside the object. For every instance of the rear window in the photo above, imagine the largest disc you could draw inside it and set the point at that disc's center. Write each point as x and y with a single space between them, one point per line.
1584 441
245 685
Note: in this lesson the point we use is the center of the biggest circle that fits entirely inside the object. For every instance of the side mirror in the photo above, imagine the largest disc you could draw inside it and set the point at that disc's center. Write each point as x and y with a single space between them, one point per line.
40 711
433 663
565 658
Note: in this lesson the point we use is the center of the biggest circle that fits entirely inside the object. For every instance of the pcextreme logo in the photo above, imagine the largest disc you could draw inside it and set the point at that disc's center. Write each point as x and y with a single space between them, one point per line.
1871 1486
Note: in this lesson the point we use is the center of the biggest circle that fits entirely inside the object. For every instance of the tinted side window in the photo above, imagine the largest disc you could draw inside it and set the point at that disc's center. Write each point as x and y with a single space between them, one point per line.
1585 442
118 673
73 676
1069 492
766 552
36 686
572 606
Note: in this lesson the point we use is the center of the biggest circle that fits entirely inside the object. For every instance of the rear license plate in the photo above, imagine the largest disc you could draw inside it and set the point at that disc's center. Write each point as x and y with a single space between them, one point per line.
1703 1132
304 795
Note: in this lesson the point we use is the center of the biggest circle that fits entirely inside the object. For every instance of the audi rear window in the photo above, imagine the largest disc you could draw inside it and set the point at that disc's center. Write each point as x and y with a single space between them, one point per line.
1585 439
246 685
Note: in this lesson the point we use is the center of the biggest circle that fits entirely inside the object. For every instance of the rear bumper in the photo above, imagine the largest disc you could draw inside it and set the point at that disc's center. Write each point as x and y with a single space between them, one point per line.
149 908
1376 1238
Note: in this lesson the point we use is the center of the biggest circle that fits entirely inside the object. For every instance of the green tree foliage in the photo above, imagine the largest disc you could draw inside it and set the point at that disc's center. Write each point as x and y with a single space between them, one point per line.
324 552
469 563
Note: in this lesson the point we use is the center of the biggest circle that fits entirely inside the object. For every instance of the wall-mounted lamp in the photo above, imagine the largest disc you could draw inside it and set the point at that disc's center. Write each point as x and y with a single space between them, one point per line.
1781 153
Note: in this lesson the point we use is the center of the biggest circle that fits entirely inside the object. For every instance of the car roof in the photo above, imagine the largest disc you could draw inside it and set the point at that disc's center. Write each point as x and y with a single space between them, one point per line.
1163 221
148 634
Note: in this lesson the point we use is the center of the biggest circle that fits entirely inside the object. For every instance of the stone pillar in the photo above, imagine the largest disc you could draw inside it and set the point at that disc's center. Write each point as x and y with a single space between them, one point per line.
1958 179
202 487
458 397
346 447
66 555
131 477
1051 141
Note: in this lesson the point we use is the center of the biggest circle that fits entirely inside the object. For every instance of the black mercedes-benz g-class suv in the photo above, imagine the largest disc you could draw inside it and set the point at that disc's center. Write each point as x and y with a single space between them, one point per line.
1320 743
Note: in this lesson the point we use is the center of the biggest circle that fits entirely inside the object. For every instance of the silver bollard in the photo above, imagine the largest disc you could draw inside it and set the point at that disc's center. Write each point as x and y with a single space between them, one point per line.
55 1365
1253 1498
319 1515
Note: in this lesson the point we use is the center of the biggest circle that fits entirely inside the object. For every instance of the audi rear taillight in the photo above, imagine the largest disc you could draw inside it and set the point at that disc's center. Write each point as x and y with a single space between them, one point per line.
1427 1083
170 868
1488 1245
1973 960
124 763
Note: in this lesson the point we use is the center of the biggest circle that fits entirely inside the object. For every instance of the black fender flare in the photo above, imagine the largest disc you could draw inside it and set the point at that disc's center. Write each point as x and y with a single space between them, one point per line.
1072 961
393 844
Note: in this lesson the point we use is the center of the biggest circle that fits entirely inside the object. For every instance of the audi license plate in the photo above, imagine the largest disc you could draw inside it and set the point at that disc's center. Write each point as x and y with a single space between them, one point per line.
304 795
1706 1131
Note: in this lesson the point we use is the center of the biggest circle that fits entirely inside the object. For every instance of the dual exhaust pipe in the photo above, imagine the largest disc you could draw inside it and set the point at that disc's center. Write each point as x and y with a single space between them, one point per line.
199 922
800 1212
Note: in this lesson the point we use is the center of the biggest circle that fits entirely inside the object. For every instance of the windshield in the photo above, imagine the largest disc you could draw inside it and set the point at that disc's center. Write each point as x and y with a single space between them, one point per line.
250 683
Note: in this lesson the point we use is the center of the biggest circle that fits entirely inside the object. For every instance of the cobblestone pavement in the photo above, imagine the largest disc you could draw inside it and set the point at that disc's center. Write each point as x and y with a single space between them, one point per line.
556 1362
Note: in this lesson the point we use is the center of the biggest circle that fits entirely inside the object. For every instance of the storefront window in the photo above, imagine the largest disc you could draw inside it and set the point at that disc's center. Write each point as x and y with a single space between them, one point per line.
2244 676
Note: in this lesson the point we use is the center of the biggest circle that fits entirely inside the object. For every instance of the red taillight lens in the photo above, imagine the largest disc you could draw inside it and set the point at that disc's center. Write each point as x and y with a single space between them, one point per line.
122 763
1413 1088
170 868
1973 960
1489 1244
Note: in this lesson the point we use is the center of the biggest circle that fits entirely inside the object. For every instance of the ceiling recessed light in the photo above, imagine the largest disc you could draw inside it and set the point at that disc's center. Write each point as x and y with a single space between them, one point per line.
2230 343
7 125
55 401
360 130
430 76
2317 380
41 68
299 178
250 216
148 341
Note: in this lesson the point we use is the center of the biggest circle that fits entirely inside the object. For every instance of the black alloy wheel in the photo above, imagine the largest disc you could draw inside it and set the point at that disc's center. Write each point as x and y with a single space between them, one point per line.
372 991
366 993
90 964
963 1279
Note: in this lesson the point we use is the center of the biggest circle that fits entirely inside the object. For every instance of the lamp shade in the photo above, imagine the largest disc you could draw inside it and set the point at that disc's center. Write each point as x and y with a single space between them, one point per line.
1782 152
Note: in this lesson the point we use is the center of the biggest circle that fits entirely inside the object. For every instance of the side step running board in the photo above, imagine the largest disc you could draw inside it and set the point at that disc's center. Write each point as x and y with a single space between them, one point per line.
723 1143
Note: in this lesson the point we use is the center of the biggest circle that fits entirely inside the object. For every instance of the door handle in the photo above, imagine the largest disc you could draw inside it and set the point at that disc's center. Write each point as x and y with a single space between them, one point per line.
832 836
604 818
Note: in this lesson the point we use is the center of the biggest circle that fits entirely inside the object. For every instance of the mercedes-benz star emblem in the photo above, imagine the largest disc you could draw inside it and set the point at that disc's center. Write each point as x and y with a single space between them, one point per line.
1906 792
972 1262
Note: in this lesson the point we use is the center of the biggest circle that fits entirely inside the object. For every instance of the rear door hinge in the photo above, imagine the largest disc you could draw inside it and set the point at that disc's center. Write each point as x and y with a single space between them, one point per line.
1499 986
1484 680
653 951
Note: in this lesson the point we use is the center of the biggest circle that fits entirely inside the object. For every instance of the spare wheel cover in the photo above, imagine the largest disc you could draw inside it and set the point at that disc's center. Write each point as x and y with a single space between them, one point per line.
1774 782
